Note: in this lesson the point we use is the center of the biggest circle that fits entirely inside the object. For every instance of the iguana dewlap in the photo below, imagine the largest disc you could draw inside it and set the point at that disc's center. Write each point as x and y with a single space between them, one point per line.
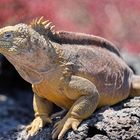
77 72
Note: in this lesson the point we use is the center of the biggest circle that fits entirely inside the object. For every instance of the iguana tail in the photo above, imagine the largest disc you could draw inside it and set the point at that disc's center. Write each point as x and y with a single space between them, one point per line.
135 88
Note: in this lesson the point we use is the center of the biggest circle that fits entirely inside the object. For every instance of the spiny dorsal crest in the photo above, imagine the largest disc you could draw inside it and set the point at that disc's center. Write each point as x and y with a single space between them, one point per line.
42 26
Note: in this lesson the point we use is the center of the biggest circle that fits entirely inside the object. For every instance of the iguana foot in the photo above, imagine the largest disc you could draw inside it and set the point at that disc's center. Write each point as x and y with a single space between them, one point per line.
61 127
36 125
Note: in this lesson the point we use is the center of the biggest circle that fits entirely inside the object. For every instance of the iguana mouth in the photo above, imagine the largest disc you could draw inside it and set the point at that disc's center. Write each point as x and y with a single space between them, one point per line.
5 44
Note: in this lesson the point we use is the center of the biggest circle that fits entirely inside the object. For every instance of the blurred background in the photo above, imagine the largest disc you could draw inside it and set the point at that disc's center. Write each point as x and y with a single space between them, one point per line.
115 20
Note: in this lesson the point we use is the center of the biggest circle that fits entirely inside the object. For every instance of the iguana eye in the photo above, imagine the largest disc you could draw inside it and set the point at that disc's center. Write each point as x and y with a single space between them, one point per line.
8 35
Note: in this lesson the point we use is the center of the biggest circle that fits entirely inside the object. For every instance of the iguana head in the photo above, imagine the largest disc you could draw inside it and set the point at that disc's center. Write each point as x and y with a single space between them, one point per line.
24 39
13 38
28 48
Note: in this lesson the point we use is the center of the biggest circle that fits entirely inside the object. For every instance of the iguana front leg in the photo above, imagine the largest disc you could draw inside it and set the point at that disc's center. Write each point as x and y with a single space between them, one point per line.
43 109
86 99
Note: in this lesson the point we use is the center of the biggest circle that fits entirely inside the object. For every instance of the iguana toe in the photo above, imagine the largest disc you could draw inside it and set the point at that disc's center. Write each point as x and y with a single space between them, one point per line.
61 127
36 125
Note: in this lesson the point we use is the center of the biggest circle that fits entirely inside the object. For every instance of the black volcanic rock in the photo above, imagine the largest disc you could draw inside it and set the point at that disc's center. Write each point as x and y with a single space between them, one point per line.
121 121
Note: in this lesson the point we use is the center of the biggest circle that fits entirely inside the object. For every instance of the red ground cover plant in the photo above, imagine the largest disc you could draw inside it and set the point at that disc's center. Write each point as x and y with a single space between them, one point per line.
116 20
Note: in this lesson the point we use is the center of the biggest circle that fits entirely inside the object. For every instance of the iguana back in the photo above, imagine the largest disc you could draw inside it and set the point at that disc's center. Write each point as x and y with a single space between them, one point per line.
63 37
46 29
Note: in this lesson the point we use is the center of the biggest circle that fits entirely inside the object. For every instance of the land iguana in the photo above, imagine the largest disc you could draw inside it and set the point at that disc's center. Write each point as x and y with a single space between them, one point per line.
75 71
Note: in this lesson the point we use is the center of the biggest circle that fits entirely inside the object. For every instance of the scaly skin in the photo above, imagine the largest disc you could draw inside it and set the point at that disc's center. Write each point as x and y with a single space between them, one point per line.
77 72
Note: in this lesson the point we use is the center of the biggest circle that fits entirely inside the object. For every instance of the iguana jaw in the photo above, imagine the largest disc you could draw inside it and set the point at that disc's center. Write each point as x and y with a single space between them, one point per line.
4 44
7 47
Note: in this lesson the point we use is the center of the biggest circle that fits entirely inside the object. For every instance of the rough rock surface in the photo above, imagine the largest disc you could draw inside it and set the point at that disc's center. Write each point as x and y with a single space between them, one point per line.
121 121
14 112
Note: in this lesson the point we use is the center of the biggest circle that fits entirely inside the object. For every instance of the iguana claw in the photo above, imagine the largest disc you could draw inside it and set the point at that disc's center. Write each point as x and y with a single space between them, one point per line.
37 124
61 127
